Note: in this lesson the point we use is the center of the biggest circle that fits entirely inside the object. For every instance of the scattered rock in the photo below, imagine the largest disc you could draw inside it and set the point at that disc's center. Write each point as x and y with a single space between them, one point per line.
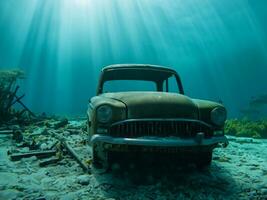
66 133
83 179
44 146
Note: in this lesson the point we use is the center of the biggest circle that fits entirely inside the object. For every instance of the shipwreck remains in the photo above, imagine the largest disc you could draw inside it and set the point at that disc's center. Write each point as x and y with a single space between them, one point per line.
9 96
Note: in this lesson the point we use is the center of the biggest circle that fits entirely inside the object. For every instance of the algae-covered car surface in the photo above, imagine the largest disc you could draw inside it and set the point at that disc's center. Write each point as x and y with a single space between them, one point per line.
142 110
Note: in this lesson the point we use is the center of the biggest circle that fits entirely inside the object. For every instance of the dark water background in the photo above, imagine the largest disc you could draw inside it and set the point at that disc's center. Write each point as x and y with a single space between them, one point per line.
219 48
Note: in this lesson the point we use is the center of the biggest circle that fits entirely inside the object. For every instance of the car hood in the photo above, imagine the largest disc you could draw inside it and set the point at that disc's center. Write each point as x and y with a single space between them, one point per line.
156 104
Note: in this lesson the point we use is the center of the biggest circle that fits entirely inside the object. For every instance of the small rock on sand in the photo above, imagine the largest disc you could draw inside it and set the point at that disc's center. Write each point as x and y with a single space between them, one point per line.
83 179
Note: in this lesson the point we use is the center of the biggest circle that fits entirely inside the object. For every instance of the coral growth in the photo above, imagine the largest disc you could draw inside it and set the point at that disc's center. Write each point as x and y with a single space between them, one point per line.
246 128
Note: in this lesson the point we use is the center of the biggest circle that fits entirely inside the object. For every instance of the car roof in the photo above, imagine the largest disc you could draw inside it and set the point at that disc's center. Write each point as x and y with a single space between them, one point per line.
138 66
137 72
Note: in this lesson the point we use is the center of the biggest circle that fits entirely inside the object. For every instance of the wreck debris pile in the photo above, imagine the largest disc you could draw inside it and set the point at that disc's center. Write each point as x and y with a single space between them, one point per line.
9 96
48 139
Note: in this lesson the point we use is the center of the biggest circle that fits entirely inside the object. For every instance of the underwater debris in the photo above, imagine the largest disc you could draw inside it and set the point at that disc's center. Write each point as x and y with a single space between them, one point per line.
9 97
76 157
49 140
49 161
38 154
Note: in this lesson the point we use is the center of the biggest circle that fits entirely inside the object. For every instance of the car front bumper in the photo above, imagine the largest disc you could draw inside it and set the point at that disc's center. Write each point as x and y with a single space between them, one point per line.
198 141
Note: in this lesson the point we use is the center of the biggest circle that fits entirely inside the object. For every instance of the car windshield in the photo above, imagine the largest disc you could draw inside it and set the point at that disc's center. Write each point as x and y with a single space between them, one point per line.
129 85
139 79
167 85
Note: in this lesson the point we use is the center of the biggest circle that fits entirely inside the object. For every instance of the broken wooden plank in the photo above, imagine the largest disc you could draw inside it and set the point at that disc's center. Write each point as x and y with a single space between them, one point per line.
3 128
38 154
8 132
16 134
49 161
70 150
24 106
16 100
76 157
11 97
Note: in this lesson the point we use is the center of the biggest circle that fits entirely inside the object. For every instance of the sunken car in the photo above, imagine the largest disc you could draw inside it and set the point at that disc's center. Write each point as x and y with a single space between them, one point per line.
142 109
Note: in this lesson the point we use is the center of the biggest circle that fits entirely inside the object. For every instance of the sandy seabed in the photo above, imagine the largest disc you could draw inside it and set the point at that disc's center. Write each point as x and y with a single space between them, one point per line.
237 172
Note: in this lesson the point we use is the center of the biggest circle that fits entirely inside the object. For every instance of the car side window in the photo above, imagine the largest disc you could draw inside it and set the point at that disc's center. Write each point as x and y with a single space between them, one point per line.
170 85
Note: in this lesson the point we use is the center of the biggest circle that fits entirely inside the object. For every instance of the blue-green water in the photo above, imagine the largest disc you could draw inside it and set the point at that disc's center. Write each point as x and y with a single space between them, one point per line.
219 48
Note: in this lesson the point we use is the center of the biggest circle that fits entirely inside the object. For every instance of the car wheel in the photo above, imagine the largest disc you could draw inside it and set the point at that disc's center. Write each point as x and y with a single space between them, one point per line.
204 160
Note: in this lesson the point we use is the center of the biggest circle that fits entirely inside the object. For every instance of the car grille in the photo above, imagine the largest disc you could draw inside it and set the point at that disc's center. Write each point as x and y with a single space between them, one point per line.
183 129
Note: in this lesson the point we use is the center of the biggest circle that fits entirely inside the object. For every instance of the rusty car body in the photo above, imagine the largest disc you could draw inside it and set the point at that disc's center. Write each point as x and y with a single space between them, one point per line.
154 120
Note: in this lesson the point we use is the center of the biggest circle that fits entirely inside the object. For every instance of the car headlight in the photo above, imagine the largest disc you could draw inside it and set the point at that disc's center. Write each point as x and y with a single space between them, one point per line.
104 113
218 116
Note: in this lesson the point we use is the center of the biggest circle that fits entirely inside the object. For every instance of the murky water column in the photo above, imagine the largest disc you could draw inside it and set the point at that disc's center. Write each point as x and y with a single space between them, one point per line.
219 48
